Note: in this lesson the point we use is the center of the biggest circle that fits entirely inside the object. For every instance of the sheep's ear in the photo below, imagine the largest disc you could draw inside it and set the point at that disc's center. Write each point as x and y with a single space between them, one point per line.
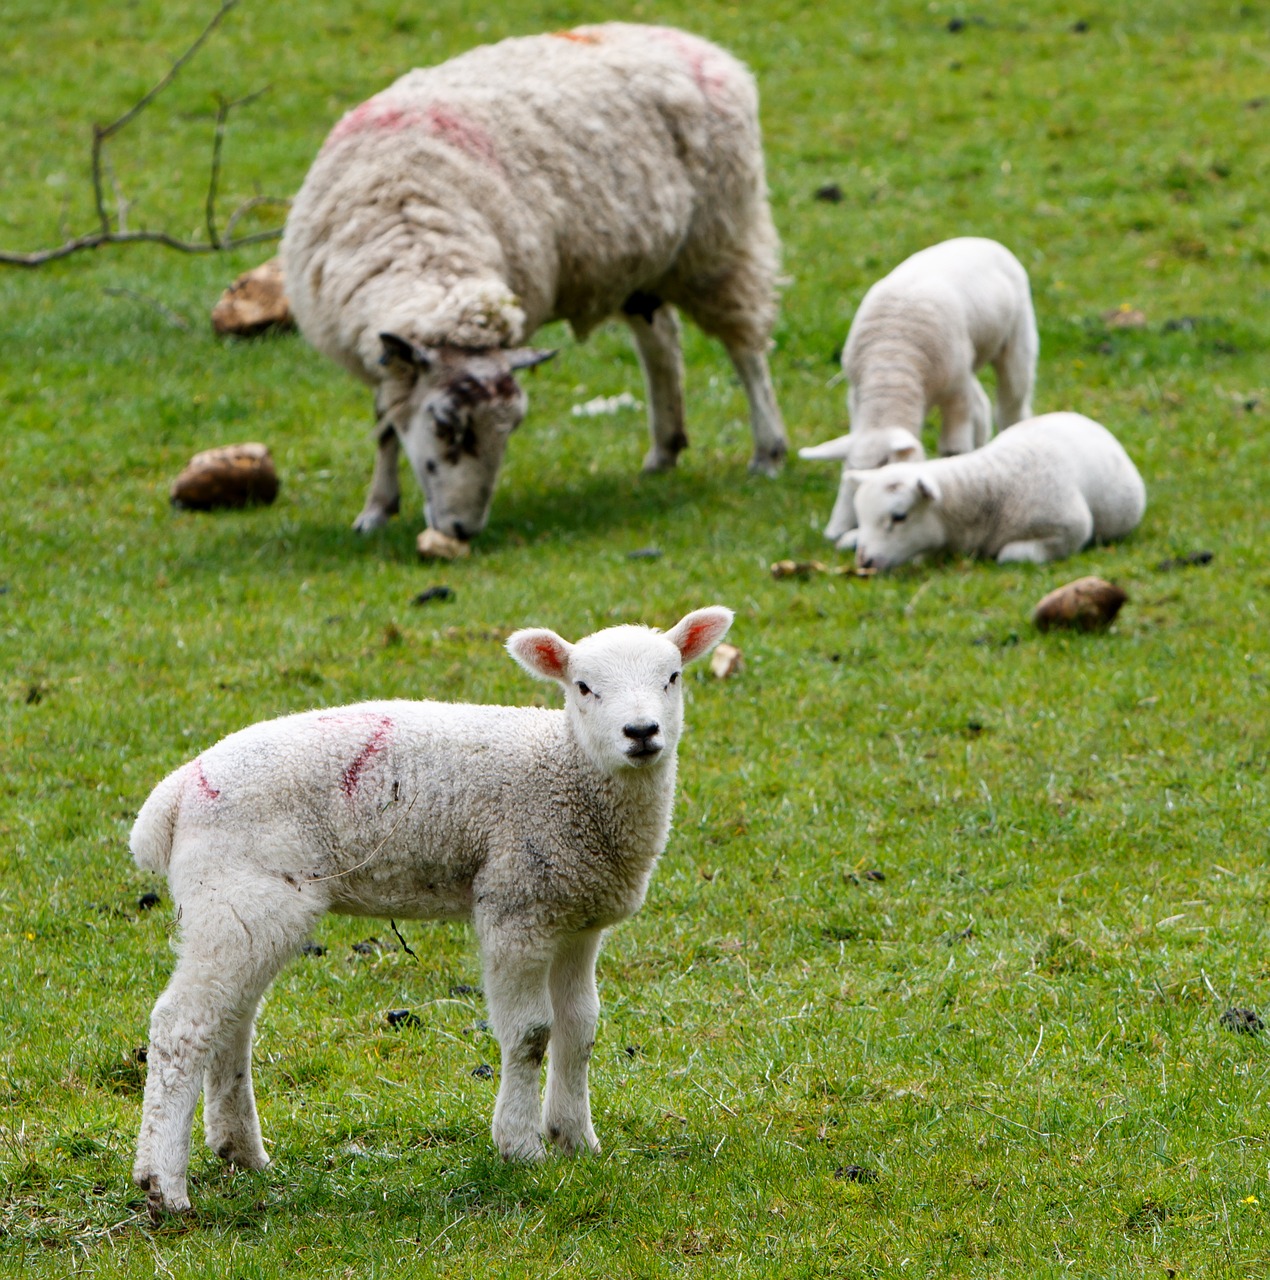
398 350
527 357
928 488
902 446
700 631
835 450
853 480
542 653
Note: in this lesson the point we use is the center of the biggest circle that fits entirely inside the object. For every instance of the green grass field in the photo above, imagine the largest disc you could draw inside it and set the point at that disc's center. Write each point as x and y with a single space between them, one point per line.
930 979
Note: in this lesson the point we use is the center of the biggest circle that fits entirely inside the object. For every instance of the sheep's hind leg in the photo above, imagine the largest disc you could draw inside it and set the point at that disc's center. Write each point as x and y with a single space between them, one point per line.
655 327
770 442
965 419
1016 372
575 1007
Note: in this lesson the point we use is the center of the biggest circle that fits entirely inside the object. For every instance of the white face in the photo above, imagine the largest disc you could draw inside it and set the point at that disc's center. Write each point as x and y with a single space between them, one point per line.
625 700
898 519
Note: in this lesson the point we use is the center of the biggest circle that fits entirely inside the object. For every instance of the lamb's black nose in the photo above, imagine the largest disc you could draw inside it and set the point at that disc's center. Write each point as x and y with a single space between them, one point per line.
642 732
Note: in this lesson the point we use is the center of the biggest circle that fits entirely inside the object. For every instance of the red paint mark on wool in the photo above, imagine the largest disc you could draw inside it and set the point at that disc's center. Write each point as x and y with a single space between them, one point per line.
374 745
375 115
205 788
381 114
578 37
708 67
464 135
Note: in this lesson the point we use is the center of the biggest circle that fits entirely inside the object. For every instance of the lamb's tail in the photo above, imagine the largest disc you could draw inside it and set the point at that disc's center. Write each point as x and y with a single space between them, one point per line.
153 831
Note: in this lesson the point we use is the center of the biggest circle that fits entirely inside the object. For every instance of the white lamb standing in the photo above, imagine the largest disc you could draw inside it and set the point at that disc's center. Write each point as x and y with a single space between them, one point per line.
1040 491
541 827
611 170
916 342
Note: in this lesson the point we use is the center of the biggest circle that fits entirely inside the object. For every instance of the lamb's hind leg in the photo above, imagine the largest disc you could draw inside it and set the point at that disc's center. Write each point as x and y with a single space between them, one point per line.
965 418
231 952
230 1122
1016 374
575 1008
655 328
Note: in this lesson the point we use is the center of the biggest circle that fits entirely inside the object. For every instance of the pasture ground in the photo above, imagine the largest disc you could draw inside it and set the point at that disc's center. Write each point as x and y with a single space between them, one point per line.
930 980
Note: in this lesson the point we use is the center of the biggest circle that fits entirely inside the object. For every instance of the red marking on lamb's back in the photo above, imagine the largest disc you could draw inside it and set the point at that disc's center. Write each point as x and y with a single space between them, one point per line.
378 740
205 788
579 37
382 114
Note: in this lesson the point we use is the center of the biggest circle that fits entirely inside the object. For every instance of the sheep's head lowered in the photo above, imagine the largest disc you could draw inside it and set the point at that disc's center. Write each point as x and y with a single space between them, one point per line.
623 687
453 409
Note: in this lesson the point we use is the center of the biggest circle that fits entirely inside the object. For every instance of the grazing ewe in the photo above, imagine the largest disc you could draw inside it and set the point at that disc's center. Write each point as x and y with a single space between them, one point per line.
608 170
916 342
541 827
1038 492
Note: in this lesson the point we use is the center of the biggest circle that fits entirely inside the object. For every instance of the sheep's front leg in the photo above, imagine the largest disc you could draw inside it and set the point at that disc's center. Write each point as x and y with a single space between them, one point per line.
655 328
520 1015
383 499
575 1005
770 442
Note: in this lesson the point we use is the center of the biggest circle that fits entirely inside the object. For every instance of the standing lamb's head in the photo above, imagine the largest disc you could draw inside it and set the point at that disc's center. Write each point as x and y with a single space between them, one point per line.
623 687
453 414
861 451
898 511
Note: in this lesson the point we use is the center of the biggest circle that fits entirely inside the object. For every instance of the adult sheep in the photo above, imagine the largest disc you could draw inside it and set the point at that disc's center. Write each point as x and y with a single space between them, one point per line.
609 170
541 827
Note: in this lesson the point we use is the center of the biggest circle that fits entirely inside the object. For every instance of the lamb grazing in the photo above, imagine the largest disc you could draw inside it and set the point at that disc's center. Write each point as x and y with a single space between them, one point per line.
1040 491
541 827
917 340
611 170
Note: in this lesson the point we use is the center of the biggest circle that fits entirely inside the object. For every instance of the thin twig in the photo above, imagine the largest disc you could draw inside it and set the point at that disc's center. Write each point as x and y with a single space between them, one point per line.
405 946
247 206
336 875
223 108
174 317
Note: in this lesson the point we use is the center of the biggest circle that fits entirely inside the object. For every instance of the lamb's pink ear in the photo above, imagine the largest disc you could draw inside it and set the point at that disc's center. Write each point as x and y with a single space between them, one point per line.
542 653
700 631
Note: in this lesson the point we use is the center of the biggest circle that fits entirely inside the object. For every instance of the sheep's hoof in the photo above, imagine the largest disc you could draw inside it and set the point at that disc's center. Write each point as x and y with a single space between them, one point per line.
659 460
768 463
370 520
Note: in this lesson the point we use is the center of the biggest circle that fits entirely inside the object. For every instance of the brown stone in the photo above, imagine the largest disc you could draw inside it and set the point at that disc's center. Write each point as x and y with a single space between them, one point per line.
1088 604
1124 317
235 475
254 303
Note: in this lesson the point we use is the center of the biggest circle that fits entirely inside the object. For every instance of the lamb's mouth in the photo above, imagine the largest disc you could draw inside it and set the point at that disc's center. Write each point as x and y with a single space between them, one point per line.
646 751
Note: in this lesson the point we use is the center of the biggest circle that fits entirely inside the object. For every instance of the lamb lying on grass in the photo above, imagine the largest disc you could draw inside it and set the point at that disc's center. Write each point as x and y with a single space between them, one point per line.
916 342
541 827
612 170
1040 491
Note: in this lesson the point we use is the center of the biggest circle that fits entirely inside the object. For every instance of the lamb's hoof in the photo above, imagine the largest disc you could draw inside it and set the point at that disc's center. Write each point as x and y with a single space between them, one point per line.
768 463
526 1151
574 1144
241 1157
158 1205
370 520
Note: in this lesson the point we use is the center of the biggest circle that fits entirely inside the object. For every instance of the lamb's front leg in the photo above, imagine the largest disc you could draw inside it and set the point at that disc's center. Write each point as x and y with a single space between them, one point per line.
575 1004
520 1015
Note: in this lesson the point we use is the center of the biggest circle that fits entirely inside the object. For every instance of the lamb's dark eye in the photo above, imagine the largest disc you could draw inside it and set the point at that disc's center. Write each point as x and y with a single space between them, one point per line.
673 680
899 517
583 688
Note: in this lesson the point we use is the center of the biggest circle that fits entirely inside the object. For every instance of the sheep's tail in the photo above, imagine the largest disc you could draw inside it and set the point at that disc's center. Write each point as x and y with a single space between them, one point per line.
155 827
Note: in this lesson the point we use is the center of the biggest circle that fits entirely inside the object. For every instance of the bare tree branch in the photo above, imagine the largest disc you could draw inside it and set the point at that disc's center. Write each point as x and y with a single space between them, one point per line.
172 317
108 234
